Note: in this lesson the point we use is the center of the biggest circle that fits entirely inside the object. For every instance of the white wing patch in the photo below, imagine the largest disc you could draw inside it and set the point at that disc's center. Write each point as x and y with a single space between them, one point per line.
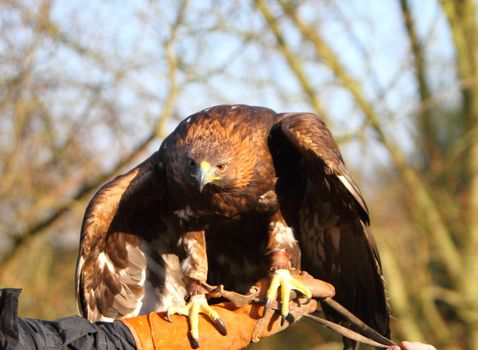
79 268
283 234
175 288
168 270
184 214
353 190
347 184
103 260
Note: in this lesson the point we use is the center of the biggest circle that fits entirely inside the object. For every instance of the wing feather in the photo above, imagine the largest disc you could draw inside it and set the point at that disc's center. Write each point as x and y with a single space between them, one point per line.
336 241
125 235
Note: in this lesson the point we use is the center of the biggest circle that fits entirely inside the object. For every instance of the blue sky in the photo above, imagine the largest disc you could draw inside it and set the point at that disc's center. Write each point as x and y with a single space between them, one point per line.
368 36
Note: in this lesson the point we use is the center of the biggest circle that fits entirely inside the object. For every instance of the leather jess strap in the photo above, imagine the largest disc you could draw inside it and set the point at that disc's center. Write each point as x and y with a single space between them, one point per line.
367 334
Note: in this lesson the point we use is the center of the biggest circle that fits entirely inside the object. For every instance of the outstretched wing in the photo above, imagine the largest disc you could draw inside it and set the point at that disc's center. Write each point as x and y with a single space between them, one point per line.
330 215
128 248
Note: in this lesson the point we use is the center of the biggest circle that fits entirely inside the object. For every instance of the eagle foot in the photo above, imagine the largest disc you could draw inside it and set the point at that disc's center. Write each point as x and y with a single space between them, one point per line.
197 304
282 278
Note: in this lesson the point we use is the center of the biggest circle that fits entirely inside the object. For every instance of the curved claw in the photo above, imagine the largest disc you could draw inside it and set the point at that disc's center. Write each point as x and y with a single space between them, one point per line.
282 320
267 305
196 305
194 342
283 279
220 326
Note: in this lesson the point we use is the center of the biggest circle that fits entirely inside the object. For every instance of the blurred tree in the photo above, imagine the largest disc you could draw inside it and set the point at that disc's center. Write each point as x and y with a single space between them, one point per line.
441 306
87 89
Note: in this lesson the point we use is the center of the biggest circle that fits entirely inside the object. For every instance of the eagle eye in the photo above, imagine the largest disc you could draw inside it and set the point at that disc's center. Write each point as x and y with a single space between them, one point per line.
221 167
191 163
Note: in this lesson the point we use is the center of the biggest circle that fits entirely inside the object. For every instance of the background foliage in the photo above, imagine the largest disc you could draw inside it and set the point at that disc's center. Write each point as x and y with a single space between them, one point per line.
88 89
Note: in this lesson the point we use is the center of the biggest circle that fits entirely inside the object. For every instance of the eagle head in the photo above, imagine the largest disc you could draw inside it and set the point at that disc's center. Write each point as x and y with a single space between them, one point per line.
210 162
210 156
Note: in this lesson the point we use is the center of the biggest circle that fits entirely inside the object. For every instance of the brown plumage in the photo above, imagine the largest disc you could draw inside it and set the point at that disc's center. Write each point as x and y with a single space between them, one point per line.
230 184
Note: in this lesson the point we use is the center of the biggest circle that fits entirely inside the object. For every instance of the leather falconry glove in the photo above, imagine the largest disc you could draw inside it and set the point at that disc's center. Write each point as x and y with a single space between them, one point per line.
246 324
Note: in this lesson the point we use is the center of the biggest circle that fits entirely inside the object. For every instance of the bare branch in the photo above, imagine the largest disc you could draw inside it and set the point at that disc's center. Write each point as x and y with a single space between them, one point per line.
423 198
35 228
292 59
426 125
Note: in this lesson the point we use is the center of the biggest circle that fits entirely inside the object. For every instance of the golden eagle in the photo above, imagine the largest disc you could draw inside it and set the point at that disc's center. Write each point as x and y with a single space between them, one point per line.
233 194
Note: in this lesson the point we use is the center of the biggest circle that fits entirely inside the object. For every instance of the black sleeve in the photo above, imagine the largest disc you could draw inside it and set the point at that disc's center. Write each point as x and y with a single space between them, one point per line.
66 333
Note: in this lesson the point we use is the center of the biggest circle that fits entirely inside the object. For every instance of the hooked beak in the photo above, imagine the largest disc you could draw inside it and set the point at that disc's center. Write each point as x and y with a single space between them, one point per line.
205 174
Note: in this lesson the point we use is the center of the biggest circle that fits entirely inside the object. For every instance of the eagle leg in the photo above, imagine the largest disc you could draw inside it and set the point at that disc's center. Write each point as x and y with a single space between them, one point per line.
281 277
197 304
195 267
285 256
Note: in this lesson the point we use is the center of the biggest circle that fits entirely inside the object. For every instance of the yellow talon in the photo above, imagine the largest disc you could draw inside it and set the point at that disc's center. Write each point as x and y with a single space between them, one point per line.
196 305
283 279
